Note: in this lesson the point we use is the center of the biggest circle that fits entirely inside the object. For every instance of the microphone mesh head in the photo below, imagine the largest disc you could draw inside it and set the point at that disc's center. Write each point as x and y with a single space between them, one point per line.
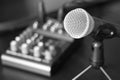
78 23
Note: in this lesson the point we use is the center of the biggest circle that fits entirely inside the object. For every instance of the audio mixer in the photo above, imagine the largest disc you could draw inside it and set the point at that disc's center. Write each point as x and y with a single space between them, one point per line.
40 49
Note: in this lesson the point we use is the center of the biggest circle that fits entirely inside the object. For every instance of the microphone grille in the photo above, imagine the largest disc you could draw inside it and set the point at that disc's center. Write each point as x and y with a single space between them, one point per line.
78 23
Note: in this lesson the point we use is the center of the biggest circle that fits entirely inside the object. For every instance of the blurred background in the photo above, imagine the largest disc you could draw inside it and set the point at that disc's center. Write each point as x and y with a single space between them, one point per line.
17 15
24 10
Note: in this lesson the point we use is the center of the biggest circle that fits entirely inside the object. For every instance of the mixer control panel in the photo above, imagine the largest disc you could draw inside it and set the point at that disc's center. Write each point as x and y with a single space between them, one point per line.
39 49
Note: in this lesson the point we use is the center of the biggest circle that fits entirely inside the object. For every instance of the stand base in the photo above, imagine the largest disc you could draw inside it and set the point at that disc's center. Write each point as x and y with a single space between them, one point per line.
90 66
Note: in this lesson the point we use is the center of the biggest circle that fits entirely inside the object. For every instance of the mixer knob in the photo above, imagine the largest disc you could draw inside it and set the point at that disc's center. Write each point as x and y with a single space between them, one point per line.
60 31
34 37
30 43
37 51
17 38
40 44
52 50
45 27
40 38
49 22
56 25
24 48
26 34
13 46
52 29
35 25
47 56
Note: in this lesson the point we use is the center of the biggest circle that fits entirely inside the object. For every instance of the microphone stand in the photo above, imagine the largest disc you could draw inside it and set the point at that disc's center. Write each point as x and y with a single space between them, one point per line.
96 60
105 31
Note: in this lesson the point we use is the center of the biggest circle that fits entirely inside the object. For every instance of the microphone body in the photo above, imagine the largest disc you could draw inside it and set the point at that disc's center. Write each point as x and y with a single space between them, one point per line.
79 23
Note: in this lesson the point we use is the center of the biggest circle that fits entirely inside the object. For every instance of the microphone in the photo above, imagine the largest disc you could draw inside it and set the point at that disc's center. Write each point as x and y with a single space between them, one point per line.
79 23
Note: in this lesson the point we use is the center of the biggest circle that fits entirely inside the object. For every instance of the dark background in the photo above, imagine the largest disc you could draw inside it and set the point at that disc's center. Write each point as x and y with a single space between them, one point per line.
109 11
